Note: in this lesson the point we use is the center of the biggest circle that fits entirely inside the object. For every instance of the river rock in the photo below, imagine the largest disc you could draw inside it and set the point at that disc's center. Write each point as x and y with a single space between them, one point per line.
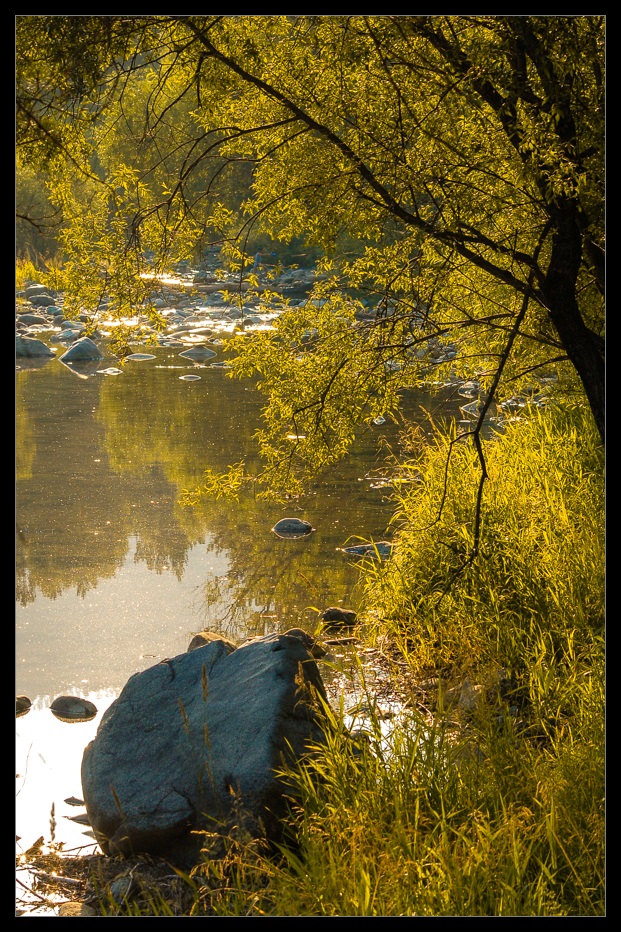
30 319
208 637
36 290
73 709
310 642
22 705
198 353
41 300
335 617
84 348
194 741
292 527
382 549
30 346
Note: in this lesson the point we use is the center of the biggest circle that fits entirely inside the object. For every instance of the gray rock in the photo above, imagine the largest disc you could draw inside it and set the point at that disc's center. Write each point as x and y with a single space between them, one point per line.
22 705
382 549
36 289
208 637
70 323
292 527
30 346
335 617
73 709
29 319
41 300
192 739
83 348
310 642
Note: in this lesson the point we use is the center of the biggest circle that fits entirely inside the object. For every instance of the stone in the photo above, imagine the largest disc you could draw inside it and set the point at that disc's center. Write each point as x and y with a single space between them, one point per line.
207 637
198 353
30 346
73 709
336 617
382 549
41 300
83 348
36 289
309 641
292 527
194 741
30 319
22 705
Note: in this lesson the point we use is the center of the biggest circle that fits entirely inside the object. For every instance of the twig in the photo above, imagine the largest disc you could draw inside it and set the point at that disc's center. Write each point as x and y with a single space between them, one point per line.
30 890
53 878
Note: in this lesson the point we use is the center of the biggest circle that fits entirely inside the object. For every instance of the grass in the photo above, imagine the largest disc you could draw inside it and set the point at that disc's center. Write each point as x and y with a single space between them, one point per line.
38 270
493 806
486 797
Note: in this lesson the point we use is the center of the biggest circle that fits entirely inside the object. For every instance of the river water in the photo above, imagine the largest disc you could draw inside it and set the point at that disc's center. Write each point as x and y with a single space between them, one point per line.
114 573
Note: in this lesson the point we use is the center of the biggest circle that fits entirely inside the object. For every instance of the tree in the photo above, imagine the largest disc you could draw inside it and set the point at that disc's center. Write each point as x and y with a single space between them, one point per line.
463 156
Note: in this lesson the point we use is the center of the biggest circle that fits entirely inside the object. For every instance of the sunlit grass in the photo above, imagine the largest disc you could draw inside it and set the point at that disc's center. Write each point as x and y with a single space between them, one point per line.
488 797
496 808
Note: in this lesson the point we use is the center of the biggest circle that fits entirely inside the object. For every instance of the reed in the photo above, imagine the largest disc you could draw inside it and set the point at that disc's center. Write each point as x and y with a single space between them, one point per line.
490 807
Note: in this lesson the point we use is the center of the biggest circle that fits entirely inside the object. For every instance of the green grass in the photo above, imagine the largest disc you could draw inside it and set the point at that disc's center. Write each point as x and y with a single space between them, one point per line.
39 270
494 807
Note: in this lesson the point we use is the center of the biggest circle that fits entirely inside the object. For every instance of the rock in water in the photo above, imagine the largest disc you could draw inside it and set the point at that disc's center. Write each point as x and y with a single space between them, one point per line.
73 709
191 738
22 705
292 527
336 617
381 550
30 346
198 353
85 348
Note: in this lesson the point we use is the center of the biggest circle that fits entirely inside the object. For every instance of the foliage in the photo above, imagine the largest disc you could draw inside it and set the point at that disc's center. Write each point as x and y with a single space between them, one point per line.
542 537
494 808
460 156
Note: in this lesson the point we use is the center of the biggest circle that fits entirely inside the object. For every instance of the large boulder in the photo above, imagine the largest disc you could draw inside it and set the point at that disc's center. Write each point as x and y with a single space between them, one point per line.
193 740
84 348
29 346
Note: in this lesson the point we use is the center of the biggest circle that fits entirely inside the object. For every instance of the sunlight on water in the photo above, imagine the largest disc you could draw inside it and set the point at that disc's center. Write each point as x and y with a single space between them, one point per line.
48 761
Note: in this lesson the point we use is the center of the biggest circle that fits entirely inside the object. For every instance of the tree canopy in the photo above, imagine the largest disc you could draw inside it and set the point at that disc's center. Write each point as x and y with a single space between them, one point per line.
449 169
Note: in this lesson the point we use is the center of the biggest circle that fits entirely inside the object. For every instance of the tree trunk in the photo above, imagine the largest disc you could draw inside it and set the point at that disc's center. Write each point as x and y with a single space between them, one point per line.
584 348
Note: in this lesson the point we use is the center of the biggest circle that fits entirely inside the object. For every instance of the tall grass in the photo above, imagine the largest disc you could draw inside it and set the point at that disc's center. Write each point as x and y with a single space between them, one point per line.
495 809
491 808
540 570
43 271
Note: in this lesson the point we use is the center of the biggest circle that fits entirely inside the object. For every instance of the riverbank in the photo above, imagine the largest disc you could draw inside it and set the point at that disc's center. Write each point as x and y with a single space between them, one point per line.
487 797
496 806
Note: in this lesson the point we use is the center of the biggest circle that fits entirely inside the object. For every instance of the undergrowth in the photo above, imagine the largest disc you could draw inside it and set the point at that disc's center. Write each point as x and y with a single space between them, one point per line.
492 801
486 795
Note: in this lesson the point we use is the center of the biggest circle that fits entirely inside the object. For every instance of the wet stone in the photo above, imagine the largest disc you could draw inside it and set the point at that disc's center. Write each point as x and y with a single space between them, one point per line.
73 709
292 528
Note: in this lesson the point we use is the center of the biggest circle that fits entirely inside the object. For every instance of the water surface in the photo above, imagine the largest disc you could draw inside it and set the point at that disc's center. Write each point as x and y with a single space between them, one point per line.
114 573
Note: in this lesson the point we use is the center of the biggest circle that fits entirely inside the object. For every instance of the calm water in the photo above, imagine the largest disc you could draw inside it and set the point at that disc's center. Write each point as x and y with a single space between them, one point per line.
114 574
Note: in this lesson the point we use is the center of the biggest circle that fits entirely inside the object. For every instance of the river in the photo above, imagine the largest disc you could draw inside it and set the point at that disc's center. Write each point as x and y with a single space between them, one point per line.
114 573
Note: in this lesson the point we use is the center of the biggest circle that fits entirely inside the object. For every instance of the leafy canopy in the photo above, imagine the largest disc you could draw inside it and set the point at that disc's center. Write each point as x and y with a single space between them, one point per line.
449 169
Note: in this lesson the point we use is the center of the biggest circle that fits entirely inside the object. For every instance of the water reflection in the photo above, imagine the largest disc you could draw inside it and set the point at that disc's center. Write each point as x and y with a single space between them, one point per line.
112 571
48 787
113 574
